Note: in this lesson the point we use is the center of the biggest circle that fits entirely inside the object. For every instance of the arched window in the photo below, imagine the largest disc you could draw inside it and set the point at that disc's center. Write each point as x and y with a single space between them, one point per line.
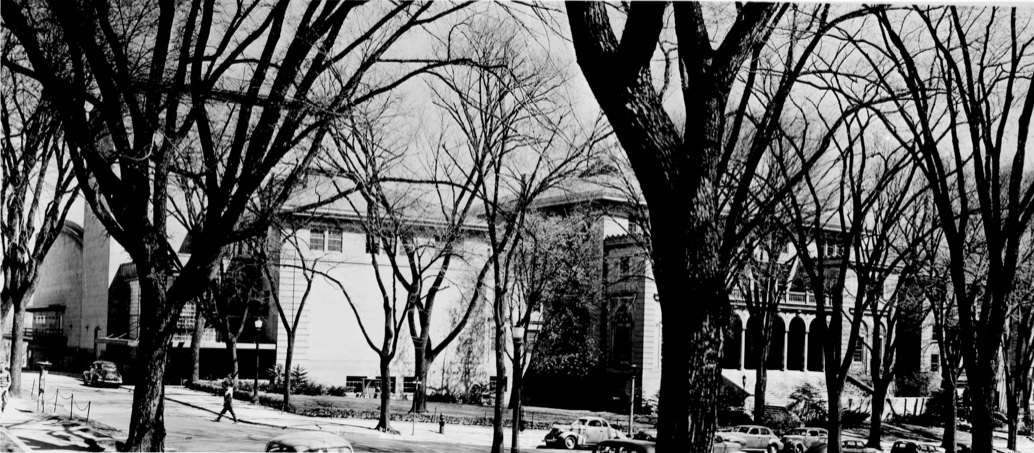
733 338
795 347
816 336
774 361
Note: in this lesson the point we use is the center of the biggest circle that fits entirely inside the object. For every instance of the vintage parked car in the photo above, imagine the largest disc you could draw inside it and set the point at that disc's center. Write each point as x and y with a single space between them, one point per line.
585 431
927 448
800 439
720 445
902 446
856 446
102 372
754 438
309 441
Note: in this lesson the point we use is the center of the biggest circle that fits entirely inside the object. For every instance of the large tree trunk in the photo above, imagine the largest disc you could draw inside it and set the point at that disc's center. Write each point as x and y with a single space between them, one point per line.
981 388
695 303
500 378
147 425
833 427
878 398
950 416
384 424
421 363
17 347
288 361
195 345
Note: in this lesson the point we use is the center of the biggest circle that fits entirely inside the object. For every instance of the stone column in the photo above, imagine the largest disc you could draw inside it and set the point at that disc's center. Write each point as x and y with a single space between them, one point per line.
807 341
743 344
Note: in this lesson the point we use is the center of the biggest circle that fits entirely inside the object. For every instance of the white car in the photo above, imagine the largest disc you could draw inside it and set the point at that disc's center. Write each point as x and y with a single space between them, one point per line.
754 438
585 431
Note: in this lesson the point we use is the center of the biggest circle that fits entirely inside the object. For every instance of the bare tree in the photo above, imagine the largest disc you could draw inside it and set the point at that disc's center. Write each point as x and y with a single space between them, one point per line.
846 220
764 282
37 188
1019 348
255 83
273 264
514 128
682 172
965 76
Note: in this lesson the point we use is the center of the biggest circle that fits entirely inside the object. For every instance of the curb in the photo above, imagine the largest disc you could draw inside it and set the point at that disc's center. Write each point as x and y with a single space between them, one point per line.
373 433
14 440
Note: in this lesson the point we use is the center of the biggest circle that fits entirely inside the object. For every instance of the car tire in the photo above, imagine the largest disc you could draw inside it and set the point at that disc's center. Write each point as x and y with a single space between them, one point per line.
799 448
772 449
570 443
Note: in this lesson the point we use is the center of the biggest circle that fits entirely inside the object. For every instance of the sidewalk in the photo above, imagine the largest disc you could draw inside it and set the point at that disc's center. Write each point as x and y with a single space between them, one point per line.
266 416
39 431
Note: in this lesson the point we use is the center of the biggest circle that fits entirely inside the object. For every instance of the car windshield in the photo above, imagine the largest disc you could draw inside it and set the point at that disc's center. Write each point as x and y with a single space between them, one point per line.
799 432
743 429
108 366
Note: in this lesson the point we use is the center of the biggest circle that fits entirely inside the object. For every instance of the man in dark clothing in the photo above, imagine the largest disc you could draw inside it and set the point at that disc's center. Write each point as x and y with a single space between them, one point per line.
227 399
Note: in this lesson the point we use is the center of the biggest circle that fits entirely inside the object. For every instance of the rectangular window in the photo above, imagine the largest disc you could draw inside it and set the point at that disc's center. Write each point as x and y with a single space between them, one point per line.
373 244
391 383
354 383
492 383
316 239
935 362
858 352
334 241
408 384
625 266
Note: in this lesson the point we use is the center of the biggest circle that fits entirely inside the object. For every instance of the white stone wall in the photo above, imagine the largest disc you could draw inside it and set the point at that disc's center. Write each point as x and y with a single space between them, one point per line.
330 344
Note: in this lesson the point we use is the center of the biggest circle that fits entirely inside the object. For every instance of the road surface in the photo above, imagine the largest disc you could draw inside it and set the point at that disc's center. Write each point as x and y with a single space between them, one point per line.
193 429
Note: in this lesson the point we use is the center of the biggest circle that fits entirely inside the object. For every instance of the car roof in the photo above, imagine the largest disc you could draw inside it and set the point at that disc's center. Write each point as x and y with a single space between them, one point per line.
311 439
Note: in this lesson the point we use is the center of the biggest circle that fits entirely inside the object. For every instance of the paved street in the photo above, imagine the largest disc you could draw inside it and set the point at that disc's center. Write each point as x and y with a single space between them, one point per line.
189 420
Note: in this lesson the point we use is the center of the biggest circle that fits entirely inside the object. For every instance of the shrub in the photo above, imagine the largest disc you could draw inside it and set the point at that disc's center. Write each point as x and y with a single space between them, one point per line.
808 405
853 418
442 397
780 421
733 417
338 390
912 384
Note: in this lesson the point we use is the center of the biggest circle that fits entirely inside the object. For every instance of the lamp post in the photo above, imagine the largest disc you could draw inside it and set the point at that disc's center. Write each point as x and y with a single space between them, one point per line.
518 369
258 329
631 406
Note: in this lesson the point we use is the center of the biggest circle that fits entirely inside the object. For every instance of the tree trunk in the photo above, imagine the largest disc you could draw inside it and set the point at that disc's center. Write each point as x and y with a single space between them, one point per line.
421 363
833 428
17 347
231 346
500 378
694 300
981 388
384 424
950 416
288 361
147 425
1013 415
195 345
879 398
760 387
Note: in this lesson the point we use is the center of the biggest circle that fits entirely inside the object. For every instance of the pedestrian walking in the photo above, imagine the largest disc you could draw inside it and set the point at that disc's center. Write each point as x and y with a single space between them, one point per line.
227 399
5 385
